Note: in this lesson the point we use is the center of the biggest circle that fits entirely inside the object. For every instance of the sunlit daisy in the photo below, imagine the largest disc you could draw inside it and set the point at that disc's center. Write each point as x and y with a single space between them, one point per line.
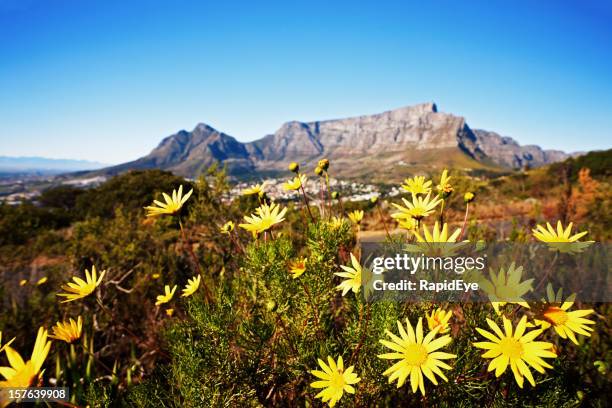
439 318
506 287
352 275
81 288
356 216
336 222
227 227
297 267
553 313
25 373
419 207
515 350
437 242
167 296
255 189
68 331
192 285
264 218
417 355
417 185
295 183
171 206
334 380
444 186
562 239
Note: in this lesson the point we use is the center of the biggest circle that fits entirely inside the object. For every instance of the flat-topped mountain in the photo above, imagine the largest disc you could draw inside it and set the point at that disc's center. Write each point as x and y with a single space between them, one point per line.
413 137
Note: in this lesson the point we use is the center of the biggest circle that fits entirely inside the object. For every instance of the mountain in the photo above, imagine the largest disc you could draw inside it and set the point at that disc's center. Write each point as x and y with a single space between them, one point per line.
42 165
411 138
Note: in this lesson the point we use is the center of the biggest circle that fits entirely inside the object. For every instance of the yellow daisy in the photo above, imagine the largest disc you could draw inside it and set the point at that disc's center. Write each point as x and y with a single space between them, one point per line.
417 355
437 242
171 206
336 222
22 374
255 189
515 350
417 185
82 288
419 207
295 183
68 331
167 296
506 287
192 286
562 239
444 185
439 318
297 267
264 218
334 380
356 216
352 275
227 227
553 313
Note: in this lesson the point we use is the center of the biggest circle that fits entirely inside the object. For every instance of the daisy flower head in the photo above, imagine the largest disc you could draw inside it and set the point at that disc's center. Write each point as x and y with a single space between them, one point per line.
297 267
437 242
167 296
516 349
352 275
81 288
264 218
20 373
334 379
444 187
172 204
418 208
356 216
439 318
418 355
562 239
257 189
68 331
506 287
553 313
295 183
417 185
192 285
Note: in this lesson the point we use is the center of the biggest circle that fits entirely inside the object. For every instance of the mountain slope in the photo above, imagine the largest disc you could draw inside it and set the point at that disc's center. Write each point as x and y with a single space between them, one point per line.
412 136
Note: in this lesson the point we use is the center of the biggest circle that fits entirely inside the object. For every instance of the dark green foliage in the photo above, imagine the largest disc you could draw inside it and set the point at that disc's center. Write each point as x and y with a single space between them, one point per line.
599 162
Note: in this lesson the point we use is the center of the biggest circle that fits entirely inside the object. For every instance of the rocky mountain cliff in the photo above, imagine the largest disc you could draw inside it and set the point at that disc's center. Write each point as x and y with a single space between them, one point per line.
415 136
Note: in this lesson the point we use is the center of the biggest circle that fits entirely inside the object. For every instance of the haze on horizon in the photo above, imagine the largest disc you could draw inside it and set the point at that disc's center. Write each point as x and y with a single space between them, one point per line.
106 81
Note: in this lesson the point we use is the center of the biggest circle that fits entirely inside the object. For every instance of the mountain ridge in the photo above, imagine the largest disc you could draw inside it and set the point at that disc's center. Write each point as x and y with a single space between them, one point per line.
361 143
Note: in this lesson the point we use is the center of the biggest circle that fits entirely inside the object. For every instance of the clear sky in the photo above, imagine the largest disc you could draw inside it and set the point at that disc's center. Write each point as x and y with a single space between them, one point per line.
107 80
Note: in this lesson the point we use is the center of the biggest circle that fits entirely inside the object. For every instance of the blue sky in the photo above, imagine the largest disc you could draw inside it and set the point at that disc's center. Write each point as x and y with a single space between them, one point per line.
107 80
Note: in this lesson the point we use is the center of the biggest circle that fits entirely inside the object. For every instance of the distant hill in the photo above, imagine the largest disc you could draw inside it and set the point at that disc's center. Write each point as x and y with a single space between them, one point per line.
42 165
412 137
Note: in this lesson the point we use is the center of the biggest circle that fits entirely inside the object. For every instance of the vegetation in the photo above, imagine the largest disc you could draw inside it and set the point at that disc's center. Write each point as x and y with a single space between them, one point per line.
252 329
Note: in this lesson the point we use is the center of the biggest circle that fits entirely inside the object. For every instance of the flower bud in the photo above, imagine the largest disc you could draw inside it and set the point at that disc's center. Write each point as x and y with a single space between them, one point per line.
468 197
323 164
318 171
335 195
374 199
294 167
